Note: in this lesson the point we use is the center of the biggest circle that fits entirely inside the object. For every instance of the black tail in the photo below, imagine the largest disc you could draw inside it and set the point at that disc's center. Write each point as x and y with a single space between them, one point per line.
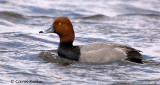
135 56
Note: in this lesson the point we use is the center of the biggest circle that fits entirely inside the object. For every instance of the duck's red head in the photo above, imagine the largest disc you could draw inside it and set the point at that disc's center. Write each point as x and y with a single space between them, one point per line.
64 28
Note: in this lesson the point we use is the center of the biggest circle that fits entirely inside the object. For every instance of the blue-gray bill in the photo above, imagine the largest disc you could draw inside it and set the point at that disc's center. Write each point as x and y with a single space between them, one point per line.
50 30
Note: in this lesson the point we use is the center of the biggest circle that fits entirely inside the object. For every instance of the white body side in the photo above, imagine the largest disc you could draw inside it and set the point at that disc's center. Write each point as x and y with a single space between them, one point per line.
101 52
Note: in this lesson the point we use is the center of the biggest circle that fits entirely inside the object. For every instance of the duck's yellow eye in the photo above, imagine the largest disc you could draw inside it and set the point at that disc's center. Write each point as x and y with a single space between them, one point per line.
60 23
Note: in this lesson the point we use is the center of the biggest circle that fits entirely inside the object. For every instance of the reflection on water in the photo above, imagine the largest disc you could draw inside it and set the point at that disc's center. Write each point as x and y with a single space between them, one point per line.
28 55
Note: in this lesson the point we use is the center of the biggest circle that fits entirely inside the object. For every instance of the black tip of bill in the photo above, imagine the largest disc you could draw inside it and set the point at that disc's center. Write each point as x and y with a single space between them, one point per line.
40 31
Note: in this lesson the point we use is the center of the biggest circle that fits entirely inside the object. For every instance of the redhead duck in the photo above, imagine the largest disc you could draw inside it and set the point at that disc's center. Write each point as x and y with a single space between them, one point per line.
93 52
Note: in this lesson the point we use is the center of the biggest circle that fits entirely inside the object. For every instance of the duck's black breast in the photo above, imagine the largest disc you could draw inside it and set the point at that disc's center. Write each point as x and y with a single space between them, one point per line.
67 50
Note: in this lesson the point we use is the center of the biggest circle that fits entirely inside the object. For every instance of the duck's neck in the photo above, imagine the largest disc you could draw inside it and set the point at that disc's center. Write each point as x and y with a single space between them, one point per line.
67 38
66 43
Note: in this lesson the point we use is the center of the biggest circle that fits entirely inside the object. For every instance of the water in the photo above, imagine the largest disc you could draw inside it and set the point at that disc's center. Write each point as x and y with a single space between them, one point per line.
132 23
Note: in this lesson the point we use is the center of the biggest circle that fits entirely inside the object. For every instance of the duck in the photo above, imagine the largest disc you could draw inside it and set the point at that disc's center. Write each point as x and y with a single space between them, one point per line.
96 52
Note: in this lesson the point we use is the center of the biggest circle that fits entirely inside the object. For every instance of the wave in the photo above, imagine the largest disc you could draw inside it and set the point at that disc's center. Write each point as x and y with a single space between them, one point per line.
11 15
141 14
97 16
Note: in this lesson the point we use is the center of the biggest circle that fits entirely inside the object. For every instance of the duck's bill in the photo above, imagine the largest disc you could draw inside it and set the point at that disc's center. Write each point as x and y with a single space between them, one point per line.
50 30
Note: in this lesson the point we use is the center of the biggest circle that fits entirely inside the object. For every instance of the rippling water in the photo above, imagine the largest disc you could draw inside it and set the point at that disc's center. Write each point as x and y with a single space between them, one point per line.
135 23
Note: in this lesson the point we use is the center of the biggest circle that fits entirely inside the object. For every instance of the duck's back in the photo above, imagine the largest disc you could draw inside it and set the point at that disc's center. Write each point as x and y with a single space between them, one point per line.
104 52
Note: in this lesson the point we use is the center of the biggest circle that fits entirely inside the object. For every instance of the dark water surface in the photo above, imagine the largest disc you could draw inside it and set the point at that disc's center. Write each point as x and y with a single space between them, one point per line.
23 50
